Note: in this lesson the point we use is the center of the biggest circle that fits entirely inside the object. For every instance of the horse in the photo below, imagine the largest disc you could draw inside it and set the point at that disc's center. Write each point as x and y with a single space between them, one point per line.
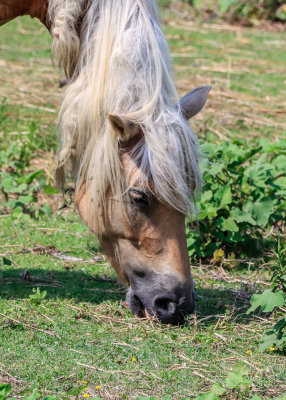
125 139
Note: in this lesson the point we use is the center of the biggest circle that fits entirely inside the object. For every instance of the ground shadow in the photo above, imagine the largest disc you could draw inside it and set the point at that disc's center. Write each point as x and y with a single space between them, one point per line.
212 303
68 284
215 303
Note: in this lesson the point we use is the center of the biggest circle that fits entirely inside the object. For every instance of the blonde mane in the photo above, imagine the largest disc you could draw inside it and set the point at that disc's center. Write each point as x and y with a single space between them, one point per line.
117 61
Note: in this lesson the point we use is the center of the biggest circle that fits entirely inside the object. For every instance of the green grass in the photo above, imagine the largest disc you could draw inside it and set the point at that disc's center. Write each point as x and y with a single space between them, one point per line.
83 330
86 321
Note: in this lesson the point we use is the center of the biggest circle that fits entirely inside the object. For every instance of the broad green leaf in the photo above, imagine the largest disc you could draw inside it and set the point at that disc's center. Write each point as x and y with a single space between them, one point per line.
215 169
209 148
6 261
25 199
281 324
262 210
281 181
5 390
240 216
45 209
12 204
206 196
267 300
226 196
229 225
21 188
33 175
280 162
236 377
281 16
49 190
234 380
218 389
268 340
224 5
197 4
241 369
8 184
255 397
207 396
17 212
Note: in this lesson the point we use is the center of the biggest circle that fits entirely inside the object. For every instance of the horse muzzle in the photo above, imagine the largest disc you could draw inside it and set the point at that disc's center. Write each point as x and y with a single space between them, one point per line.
162 296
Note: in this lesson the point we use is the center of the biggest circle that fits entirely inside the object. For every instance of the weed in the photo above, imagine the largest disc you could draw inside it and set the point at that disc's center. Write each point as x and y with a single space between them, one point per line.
21 186
5 390
38 296
241 10
271 299
278 268
244 192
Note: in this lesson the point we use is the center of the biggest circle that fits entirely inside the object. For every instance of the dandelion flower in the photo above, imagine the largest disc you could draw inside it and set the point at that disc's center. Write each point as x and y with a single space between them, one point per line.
133 359
97 387
85 389
271 348
248 352
86 395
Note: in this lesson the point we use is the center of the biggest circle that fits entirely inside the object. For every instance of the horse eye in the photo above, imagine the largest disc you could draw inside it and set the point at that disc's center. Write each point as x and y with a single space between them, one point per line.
139 198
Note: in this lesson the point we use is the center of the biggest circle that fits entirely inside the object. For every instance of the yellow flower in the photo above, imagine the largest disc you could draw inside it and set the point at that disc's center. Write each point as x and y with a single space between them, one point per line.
248 352
84 382
133 359
97 387
86 395
271 348
85 389
284 8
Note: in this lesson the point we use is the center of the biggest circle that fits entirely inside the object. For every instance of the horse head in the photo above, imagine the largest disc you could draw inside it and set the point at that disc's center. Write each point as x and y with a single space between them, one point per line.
143 237
131 151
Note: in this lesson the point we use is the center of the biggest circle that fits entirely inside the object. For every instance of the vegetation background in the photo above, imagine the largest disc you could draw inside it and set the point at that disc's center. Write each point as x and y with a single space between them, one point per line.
65 329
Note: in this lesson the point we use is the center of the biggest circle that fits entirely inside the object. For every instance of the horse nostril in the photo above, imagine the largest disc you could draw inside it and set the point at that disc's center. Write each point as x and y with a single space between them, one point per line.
165 305
139 273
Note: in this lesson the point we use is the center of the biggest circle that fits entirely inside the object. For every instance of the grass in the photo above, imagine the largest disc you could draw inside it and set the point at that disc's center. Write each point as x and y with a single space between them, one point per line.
82 330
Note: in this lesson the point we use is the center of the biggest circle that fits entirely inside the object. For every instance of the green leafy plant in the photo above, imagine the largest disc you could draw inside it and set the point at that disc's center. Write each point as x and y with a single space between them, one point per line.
272 299
278 277
269 301
5 390
244 192
21 185
241 10
38 296
238 380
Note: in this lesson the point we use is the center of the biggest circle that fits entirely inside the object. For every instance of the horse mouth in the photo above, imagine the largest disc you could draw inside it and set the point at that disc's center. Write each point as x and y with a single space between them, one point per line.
137 306
162 309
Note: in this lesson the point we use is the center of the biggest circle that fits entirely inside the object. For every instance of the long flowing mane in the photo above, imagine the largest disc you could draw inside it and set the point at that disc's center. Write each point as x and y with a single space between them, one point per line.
117 61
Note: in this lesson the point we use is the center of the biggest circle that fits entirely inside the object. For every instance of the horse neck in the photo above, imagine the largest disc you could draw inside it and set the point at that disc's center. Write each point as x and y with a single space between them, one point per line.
10 9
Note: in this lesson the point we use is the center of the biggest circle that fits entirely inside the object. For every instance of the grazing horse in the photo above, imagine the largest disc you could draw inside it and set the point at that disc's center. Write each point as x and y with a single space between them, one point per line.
125 139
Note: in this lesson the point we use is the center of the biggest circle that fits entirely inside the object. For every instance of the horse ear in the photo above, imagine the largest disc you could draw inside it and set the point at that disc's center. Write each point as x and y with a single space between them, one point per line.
125 128
192 103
